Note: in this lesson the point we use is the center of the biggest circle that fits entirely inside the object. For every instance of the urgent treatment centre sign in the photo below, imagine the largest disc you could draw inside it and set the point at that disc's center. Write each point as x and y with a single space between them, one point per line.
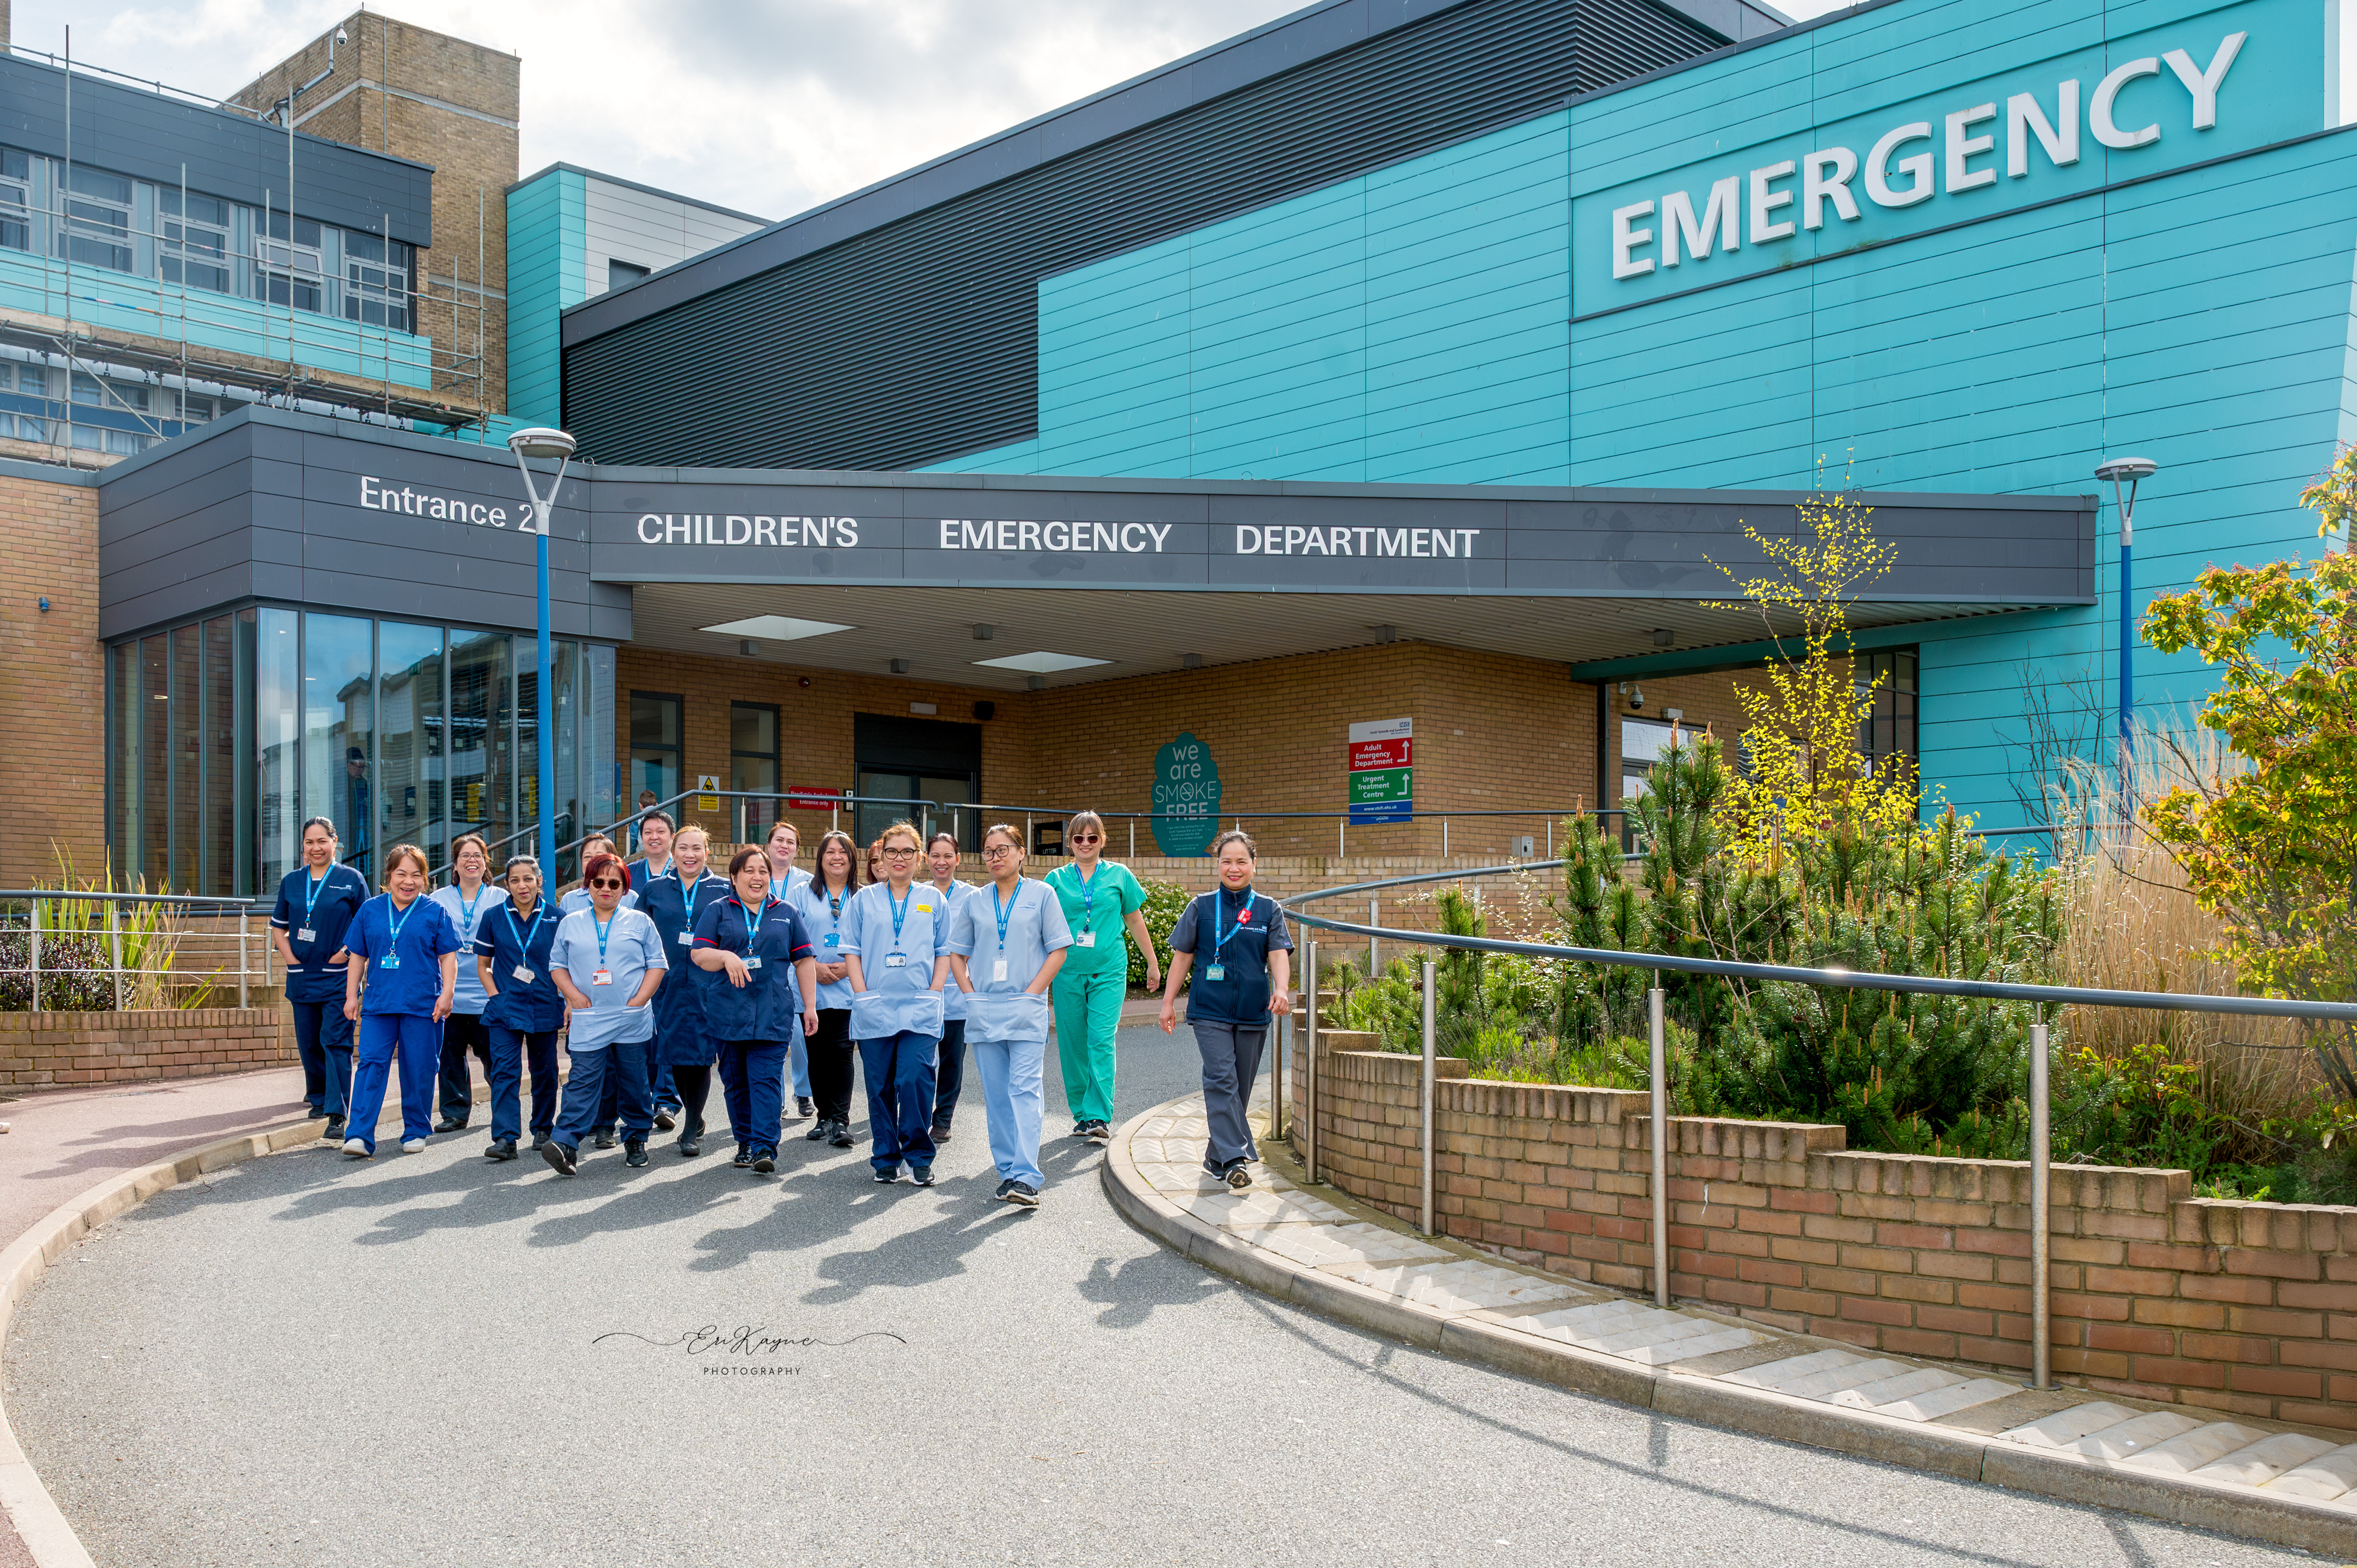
1379 770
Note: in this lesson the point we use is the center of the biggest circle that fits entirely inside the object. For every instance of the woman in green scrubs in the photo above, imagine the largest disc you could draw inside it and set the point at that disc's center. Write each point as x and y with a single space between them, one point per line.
1101 900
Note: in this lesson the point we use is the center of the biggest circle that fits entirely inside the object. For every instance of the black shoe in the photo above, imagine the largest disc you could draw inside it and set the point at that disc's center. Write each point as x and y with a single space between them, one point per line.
690 1145
1023 1195
335 1132
1003 1188
1099 1134
605 1139
805 1106
1239 1176
743 1160
764 1161
888 1178
842 1138
940 1132
541 1139
634 1152
559 1158
500 1149
819 1130
921 1174
451 1124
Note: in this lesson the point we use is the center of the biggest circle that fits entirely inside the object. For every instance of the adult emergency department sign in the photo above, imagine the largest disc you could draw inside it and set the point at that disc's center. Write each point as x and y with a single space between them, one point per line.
1379 770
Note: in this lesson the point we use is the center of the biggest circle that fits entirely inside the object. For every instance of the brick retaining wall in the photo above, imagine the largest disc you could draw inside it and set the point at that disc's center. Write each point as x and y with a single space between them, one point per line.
2243 1307
62 1050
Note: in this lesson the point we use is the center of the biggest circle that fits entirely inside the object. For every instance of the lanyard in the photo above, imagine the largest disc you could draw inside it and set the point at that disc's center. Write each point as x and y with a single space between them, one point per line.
900 911
311 894
524 938
834 902
688 891
753 923
1219 918
467 911
1087 885
603 932
1002 916
393 927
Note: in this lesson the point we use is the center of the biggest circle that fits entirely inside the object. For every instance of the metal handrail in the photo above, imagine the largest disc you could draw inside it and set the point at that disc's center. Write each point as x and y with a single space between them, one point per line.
113 901
1834 978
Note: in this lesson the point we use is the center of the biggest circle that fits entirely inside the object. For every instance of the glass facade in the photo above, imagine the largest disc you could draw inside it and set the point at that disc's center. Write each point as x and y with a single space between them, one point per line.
227 733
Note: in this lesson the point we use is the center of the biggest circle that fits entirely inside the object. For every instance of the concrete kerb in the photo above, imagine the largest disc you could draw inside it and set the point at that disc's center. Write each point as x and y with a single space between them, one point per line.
27 1502
1963 1454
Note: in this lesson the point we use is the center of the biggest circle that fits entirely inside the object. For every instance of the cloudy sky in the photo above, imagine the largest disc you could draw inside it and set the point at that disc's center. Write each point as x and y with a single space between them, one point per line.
763 105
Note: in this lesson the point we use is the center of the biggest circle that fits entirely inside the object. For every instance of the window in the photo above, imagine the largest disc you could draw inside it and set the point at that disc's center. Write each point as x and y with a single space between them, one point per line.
290 271
33 381
105 438
655 746
16 199
98 220
622 274
1643 743
1889 730
24 428
753 767
196 242
195 408
376 285
94 392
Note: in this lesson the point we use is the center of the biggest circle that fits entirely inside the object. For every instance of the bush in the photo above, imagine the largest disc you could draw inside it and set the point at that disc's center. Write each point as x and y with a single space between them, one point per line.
1164 902
75 973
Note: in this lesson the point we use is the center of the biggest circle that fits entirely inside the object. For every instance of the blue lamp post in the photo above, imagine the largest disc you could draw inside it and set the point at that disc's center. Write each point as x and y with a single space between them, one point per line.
2126 471
543 443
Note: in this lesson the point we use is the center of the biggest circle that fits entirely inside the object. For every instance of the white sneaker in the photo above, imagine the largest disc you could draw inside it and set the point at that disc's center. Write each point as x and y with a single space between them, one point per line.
412 1146
355 1148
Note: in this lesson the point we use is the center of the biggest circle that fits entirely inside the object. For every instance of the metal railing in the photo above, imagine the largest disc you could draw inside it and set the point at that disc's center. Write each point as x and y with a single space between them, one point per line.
62 948
2040 1105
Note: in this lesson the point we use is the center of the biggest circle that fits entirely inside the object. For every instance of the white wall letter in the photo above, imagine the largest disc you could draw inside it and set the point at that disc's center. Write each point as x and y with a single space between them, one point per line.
1247 539
2099 108
2023 118
2203 84
1721 216
1626 239
655 538
1825 174
1917 169
1764 201
1962 147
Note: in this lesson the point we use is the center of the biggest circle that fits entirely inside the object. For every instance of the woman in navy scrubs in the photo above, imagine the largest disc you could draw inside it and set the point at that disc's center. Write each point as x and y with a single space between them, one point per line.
758 971
524 1012
683 1048
1247 967
315 905
820 904
406 964
784 843
892 938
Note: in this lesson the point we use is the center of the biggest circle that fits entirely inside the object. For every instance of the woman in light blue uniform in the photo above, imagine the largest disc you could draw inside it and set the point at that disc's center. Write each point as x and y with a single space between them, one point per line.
1006 942
785 877
891 939
685 1047
316 902
820 904
608 962
405 967
757 973
466 900
949 1082
525 1011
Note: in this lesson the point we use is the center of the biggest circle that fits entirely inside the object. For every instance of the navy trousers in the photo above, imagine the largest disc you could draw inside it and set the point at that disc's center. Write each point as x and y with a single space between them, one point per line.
899 1071
753 1080
323 1039
414 1041
461 1033
625 1061
659 1089
509 1053
949 1082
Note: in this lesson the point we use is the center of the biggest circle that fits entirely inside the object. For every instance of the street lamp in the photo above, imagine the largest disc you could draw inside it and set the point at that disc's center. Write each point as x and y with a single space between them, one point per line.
2126 471
543 443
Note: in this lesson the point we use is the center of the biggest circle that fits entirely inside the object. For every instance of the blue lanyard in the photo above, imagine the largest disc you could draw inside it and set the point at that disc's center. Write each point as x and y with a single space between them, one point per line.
1002 916
1087 885
688 893
524 938
467 911
900 911
603 932
391 925
1220 919
752 923
312 891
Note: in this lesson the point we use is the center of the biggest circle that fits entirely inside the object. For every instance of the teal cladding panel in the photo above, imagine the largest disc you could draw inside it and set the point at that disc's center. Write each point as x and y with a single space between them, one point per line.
548 225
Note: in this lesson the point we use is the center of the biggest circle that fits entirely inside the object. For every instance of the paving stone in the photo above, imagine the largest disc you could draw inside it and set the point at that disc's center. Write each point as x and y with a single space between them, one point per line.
2066 1427
2263 1462
1817 1385
1890 1391
2184 1454
1345 1246
1221 1204
1690 1350
2326 1478
1949 1400
1773 1374
1461 1286
2133 1438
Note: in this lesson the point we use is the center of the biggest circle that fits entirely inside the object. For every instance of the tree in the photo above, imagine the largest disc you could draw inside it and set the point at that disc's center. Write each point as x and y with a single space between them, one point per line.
2271 849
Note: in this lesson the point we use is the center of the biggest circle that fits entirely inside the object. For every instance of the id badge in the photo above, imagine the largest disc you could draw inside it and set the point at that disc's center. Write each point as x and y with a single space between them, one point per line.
687 939
306 935
523 976
390 960
1087 939
896 961
601 977
753 960
1216 971
998 969
834 939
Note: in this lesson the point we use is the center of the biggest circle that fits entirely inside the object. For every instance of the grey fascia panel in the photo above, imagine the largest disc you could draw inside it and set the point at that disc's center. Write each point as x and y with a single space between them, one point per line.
695 201
183 602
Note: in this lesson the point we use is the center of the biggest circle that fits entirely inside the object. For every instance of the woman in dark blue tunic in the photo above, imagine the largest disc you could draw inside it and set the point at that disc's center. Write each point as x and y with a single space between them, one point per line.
316 903
683 1047
524 1012
398 989
1242 986
758 971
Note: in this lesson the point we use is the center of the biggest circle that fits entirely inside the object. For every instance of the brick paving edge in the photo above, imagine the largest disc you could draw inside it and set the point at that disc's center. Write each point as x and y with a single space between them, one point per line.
1964 1455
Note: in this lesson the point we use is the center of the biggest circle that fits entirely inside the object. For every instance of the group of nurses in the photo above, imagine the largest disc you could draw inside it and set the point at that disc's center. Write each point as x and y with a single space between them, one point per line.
757 974
404 963
316 906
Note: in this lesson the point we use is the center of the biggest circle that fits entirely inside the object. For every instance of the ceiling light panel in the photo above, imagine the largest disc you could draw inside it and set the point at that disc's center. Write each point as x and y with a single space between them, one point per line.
1041 662
776 629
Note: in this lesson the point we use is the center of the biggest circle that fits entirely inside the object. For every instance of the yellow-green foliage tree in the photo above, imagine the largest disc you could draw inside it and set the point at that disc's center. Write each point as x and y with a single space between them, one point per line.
2271 849
1805 780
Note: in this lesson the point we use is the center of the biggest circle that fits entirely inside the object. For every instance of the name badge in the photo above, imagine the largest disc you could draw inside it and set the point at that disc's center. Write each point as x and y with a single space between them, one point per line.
601 977
687 939
1087 939
896 961
523 976
1216 971
998 969
390 960
752 961
834 938
306 935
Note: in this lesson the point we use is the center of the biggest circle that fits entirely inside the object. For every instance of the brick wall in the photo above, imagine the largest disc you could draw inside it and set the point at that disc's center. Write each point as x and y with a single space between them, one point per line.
62 1050
2248 1308
52 681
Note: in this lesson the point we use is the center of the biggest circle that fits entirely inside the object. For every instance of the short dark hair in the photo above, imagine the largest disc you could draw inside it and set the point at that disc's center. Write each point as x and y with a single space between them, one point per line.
662 817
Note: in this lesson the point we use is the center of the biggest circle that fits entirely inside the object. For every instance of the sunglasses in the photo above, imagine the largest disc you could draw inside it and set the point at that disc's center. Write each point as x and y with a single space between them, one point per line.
1088 838
605 882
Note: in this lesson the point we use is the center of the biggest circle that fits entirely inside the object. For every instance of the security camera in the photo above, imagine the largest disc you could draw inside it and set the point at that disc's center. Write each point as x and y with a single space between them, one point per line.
342 36
1634 693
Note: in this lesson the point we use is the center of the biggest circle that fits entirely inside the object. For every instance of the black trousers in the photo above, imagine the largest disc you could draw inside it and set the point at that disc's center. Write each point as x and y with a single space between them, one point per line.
461 1033
691 1084
832 1053
949 1082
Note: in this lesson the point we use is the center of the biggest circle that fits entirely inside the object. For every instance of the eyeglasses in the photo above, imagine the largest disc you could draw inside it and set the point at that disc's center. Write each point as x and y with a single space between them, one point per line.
898 854
995 851
605 882
1088 838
